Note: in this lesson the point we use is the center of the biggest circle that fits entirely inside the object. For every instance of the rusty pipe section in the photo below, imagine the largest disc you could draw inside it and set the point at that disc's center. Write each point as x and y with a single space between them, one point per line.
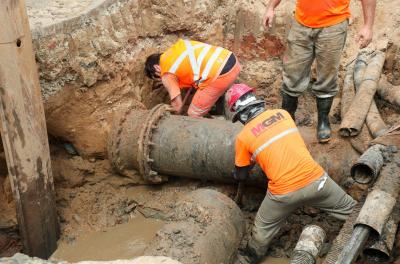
355 116
156 143
379 249
374 121
368 166
309 245
381 199
348 91
388 92
206 226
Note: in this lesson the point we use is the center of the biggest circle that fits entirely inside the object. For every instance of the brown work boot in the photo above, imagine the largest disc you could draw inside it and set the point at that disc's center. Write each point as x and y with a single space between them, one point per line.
324 127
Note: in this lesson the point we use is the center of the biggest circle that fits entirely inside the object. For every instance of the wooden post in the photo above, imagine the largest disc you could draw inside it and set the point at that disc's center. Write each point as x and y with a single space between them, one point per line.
24 135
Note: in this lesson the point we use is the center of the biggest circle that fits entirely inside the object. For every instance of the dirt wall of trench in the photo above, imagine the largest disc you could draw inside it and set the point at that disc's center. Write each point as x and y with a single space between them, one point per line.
91 65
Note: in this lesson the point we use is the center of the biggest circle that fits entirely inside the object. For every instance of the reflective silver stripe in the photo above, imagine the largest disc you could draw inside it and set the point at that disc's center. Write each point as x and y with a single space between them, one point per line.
200 59
196 64
184 54
210 63
272 140
192 59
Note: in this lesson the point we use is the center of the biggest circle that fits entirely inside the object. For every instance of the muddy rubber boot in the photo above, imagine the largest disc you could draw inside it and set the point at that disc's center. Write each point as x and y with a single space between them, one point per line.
289 103
247 256
324 127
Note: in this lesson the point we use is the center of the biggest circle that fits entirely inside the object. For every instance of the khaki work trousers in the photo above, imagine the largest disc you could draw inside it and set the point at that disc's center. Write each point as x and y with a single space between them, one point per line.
323 194
305 44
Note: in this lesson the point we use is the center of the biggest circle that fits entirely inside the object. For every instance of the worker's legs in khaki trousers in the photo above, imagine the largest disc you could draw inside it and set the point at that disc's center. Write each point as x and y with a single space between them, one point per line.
305 44
329 44
275 208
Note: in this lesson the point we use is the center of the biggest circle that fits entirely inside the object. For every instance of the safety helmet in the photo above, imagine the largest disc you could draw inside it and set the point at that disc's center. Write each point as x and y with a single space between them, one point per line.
235 92
241 97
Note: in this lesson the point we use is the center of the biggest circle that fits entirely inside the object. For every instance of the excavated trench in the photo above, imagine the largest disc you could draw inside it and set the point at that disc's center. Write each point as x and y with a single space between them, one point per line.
90 56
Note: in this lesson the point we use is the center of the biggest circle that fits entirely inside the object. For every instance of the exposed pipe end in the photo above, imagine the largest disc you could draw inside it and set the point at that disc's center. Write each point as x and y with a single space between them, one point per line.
367 167
310 243
376 255
362 173
348 132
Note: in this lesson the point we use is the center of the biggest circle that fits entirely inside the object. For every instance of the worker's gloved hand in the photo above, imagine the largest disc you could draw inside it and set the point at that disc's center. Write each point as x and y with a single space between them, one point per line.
240 173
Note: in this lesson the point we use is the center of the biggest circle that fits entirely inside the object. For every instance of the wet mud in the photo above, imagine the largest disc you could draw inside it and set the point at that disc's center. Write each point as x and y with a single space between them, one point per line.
124 241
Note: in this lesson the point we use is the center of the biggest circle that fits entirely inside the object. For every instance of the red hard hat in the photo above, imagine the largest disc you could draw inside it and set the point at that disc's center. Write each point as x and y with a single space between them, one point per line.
237 91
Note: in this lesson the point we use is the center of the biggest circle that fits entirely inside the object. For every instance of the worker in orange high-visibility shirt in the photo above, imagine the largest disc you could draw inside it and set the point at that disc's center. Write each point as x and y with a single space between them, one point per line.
318 31
271 139
211 70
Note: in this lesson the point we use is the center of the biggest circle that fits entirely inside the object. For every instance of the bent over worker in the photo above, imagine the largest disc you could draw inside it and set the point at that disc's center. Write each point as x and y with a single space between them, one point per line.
318 31
211 70
271 139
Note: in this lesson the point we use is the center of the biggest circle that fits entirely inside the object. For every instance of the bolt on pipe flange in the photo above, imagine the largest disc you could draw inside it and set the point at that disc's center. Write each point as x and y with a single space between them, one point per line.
144 143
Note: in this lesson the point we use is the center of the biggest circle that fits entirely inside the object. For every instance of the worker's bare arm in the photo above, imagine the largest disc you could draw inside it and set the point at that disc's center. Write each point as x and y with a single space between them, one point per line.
364 37
269 13
171 83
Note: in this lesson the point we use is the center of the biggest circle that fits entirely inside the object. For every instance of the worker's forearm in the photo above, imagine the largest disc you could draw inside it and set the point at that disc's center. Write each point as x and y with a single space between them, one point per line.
368 7
272 4
170 83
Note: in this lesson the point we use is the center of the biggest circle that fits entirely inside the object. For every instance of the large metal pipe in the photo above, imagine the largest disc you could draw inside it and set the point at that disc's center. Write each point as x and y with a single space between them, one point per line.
309 245
381 199
355 116
156 143
368 166
206 226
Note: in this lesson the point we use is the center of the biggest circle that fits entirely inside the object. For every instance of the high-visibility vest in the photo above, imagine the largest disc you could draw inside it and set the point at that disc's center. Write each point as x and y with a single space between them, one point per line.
195 63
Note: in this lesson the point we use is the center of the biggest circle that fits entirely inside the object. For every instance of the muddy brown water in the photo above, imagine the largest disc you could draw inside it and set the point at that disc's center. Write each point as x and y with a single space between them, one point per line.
123 241
272 260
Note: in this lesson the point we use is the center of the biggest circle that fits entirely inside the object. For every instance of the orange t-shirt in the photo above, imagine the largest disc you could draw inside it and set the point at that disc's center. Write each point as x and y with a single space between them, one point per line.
322 13
273 140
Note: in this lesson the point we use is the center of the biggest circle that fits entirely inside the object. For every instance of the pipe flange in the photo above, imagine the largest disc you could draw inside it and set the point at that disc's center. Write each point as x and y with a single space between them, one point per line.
115 140
144 143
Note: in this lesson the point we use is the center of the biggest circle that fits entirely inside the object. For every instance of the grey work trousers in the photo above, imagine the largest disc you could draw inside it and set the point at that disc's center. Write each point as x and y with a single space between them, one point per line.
323 193
305 44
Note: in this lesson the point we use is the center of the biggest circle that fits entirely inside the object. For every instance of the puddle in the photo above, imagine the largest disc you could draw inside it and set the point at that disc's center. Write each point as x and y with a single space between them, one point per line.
271 260
123 241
